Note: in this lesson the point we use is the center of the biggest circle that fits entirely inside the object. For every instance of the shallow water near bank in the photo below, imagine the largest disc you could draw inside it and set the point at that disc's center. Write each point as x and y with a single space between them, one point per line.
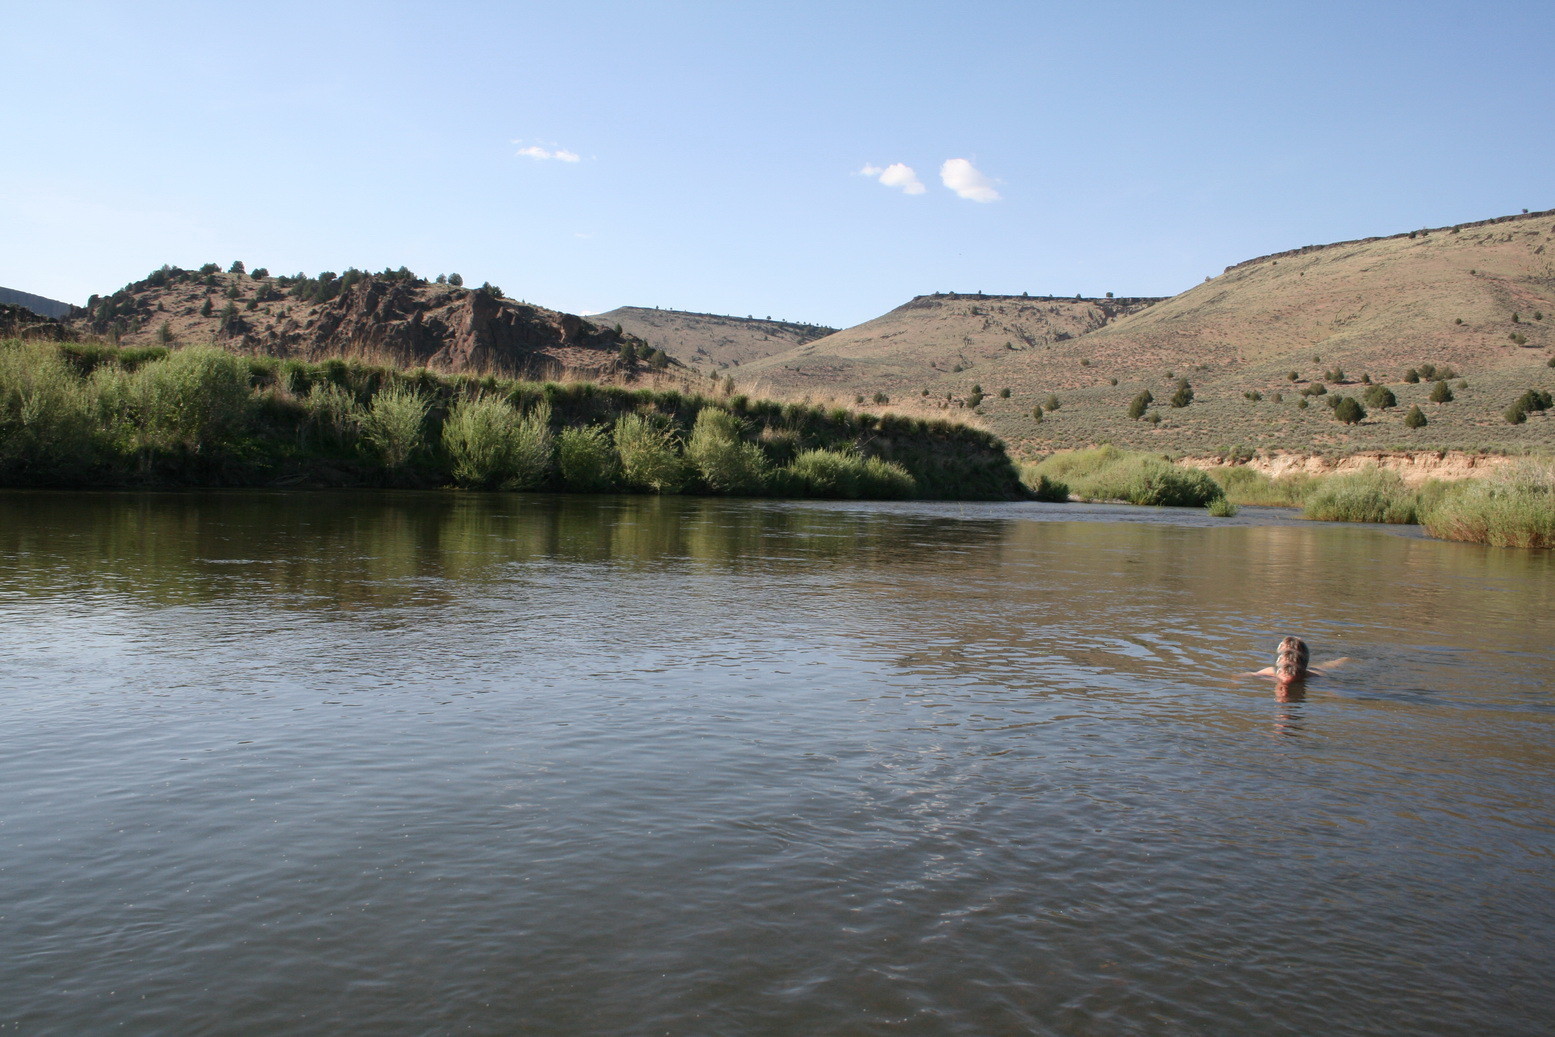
426 763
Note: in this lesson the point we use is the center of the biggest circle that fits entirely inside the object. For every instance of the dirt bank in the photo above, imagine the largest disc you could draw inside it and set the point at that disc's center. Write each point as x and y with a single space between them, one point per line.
1413 467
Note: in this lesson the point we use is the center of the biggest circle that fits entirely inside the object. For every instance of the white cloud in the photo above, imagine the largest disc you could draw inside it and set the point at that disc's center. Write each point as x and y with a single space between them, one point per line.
545 151
963 178
896 175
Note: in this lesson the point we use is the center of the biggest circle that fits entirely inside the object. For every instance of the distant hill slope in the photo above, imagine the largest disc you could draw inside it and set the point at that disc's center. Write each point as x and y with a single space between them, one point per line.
710 341
934 336
1478 298
36 303
393 318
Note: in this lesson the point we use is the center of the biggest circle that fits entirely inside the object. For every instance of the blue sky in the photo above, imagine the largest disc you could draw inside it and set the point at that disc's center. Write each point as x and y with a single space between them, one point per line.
709 156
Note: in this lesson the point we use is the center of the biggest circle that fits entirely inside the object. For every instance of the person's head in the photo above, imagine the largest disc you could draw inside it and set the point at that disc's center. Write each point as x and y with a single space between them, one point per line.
1290 659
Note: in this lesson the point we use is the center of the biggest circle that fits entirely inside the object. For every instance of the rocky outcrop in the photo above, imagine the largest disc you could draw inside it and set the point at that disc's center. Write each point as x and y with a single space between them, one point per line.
387 318
20 322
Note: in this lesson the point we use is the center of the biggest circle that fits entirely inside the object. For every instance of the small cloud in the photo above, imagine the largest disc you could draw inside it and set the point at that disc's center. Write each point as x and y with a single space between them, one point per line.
546 151
963 178
896 175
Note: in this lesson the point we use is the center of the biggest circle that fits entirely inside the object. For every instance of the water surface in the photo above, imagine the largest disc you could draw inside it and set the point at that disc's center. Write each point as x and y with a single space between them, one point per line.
422 763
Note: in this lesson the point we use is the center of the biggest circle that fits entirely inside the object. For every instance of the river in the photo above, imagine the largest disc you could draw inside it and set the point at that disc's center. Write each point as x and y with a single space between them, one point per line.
439 763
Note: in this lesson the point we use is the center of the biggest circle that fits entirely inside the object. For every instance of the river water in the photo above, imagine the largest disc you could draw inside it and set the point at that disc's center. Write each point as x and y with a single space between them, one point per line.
432 763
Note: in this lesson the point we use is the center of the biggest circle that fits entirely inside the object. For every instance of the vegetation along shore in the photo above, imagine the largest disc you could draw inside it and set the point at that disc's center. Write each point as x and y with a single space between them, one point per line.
1513 506
91 415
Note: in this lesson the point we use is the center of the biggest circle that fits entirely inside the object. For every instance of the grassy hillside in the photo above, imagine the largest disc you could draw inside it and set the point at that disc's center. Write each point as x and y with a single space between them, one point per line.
1476 300
932 337
708 341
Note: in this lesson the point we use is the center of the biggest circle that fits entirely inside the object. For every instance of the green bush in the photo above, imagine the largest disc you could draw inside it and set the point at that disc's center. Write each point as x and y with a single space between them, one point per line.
649 459
195 398
1441 393
1380 397
332 413
1139 404
1415 418
587 459
1349 411
1220 507
393 424
725 463
845 474
491 445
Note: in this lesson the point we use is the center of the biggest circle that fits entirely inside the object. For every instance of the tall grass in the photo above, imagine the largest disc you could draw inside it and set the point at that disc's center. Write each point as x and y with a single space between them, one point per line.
1107 473
1367 495
836 473
1245 485
1513 508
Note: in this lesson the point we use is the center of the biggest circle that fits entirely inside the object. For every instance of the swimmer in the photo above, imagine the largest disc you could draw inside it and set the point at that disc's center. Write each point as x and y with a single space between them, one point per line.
1290 664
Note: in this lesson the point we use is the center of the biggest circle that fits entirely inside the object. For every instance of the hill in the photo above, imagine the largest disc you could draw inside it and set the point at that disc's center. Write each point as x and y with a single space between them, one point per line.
931 337
36 303
1477 299
709 341
393 318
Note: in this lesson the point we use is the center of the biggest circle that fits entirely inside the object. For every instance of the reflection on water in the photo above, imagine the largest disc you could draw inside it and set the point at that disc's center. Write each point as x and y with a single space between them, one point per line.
434 762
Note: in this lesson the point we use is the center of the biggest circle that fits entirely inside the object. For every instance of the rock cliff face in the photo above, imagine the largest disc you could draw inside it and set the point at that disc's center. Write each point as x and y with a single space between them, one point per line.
21 322
384 318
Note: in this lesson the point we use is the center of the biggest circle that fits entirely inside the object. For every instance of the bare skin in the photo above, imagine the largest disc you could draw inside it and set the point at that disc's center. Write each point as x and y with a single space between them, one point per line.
1291 668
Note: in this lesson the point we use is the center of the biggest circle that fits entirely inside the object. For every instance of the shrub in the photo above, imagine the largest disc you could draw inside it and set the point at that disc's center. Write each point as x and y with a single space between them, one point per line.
1036 413
1369 495
392 426
1004 394
1441 393
725 463
1184 394
1515 415
1415 418
491 445
1220 507
1412 376
1140 403
647 449
331 411
845 474
1349 411
193 397
1380 397
1535 400
1052 403
206 309
1301 404
587 459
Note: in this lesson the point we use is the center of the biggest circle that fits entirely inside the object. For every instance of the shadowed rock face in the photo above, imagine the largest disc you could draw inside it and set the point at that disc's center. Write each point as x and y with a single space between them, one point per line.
449 329
20 322
391 320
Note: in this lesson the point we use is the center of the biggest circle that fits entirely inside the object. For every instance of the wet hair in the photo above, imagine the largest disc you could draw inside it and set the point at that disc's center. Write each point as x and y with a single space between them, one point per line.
1291 657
